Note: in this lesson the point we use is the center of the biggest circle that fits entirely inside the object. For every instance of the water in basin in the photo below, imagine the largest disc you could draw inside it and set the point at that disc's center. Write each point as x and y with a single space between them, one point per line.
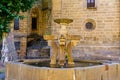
77 64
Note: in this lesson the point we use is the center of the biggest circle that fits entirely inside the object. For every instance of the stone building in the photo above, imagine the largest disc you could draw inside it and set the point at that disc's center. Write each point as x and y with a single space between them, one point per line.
96 21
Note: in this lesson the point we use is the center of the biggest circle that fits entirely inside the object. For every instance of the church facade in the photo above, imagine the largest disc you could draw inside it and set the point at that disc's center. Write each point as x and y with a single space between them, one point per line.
96 21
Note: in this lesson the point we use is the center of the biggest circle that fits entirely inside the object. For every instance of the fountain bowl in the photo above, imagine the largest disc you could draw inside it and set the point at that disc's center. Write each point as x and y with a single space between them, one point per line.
63 20
21 71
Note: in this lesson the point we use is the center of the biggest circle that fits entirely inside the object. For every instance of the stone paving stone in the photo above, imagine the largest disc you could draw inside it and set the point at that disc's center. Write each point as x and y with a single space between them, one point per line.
2 76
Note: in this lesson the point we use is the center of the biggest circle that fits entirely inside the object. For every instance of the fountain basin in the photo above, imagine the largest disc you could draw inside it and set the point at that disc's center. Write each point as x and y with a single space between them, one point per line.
21 71
46 63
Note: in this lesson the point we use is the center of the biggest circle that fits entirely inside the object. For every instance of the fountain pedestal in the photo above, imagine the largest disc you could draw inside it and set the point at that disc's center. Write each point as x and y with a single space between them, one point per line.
62 43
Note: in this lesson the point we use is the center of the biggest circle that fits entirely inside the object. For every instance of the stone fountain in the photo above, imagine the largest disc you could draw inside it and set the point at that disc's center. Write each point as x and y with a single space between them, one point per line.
62 43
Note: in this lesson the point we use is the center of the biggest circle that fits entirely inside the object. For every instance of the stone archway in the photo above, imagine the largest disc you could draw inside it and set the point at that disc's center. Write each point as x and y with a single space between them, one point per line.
35 18
38 21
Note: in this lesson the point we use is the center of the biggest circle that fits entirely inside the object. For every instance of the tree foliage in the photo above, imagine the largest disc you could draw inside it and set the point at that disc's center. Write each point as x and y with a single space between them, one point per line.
9 9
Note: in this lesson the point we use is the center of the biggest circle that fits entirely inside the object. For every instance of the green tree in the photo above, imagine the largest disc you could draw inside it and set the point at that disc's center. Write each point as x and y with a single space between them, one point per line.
9 9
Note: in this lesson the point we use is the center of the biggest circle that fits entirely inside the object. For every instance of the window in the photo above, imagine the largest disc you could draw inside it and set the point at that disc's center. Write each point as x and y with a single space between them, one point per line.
90 3
89 26
34 23
16 24
17 45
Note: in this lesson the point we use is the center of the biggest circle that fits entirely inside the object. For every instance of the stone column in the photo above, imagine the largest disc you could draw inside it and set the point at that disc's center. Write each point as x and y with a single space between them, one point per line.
69 51
23 34
55 53
23 46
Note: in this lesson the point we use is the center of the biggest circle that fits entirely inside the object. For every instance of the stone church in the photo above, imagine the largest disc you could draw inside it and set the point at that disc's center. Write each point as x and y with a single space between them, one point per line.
96 21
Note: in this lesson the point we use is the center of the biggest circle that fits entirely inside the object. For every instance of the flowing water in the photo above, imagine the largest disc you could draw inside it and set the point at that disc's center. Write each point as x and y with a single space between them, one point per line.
8 49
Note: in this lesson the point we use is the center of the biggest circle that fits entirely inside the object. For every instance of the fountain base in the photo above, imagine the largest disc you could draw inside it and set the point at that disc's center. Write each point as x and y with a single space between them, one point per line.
22 71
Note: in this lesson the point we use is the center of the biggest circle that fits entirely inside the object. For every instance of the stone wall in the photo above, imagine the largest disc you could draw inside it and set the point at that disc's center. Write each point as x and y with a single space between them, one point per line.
38 53
106 15
21 35
104 38
97 53
25 28
105 18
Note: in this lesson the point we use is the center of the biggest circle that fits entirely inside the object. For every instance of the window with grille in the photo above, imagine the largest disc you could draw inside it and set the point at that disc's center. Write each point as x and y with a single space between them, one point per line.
16 24
90 3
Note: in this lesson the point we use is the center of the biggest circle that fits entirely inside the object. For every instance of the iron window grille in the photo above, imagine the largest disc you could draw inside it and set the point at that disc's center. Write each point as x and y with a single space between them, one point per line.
90 3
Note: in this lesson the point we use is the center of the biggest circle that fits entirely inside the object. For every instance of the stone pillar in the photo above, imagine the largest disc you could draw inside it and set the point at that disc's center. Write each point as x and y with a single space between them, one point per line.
69 50
23 46
24 23
55 53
